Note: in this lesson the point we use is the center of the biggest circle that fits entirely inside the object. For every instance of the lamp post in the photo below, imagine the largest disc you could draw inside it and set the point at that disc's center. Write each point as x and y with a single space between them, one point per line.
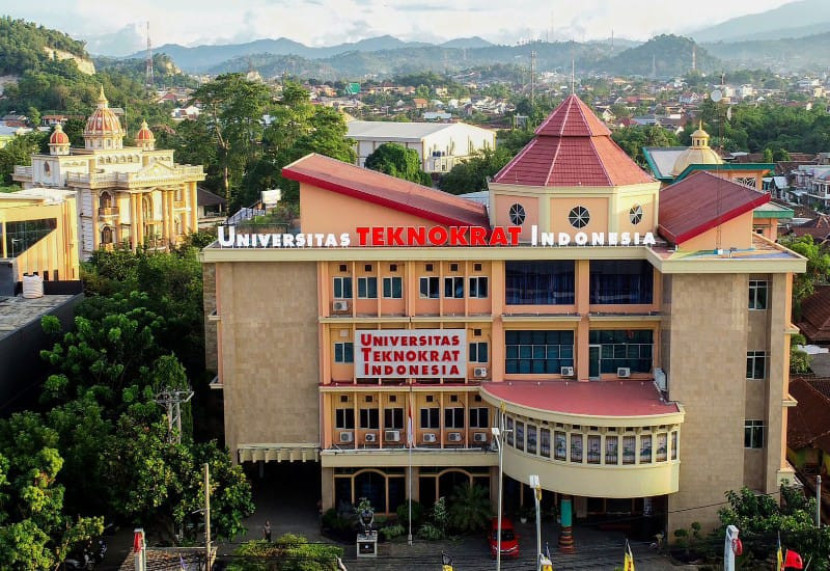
498 434
537 496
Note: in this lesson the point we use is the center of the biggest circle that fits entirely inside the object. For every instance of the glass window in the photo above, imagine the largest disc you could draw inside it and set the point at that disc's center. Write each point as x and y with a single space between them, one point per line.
369 418
344 352
544 442
430 418
560 446
454 417
344 418
393 418
594 449
393 287
756 365
611 444
621 282
576 448
531 439
758 290
20 236
539 283
645 449
479 287
429 287
674 445
630 348
629 449
538 352
509 431
342 288
662 447
480 417
367 288
478 352
454 287
754 434
520 435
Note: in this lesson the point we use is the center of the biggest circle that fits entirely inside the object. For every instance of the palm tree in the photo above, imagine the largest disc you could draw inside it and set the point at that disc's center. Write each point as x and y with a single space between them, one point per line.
470 508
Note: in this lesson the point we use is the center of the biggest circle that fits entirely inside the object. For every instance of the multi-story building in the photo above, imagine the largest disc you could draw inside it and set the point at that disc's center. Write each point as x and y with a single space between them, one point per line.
631 342
132 195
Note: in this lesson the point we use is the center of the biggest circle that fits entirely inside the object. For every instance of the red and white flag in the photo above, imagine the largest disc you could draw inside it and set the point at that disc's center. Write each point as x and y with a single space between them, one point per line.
410 426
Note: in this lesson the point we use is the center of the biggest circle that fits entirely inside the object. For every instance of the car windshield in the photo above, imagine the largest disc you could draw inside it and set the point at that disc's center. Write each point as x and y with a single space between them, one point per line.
506 535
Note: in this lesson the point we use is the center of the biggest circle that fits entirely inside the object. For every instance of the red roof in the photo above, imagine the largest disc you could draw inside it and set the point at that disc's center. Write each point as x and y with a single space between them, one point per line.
572 148
701 202
388 191
807 422
595 398
815 315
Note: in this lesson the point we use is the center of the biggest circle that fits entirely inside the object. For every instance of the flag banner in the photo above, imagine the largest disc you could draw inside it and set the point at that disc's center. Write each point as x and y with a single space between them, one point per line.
779 556
792 560
410 426
628 560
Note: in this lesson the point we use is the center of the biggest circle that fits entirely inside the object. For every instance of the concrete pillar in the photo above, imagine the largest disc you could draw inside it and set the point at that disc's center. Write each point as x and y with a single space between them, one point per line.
194 214
133 222
566 538
165 215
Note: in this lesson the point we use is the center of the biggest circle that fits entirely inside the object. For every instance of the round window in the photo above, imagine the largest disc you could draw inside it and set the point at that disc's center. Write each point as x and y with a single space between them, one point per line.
579 217
635 214
517 214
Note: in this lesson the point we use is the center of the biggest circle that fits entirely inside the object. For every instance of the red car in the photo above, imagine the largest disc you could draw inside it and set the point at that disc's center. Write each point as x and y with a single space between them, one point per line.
509 539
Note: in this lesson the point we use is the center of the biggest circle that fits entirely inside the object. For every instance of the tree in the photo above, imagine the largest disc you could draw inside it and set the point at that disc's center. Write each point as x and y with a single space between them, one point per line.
633 139
471 175
469 509
818 264
398 161
18 151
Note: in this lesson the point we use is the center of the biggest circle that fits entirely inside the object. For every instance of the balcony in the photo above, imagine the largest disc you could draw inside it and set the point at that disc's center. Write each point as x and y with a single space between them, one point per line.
105 213
22 174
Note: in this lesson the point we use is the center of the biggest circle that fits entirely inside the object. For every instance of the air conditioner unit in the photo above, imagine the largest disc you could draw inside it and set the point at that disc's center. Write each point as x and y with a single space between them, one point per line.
480 372
430 437
341 305
346 437
566 371
623 372
480 437
370 437
392 435
454 437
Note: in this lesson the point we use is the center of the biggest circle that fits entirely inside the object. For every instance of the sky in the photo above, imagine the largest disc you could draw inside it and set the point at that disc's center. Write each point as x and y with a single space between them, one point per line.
119 25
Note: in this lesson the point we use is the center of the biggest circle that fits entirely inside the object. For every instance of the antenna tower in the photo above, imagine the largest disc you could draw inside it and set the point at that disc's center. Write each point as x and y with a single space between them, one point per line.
532 83
149 80
694 57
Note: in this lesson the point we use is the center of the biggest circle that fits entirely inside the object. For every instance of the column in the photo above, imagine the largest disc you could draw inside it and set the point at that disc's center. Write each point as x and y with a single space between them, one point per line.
194 214
133 222
171 223
164 216
139 219
566 538
96 237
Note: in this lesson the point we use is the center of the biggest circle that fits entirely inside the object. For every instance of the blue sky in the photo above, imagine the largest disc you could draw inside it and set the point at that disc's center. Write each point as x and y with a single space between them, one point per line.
118 25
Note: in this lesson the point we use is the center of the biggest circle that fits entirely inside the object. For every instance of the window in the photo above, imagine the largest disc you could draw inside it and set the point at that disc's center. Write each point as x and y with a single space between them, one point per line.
645 449
367 288
480 417
393 287
539 283
430 418
344 352
754 434
517 214
621 282
560 446
478 352
454 417
594 449
631 348
106 235
393 418
454 287
611 444
344 418
543 352
662 447
429 287
629 449
20 236
369 418
544 442
756 365
579 217
758 294
576 448
674 445
509 431
531 439
478 287
342 288
635 214
520 435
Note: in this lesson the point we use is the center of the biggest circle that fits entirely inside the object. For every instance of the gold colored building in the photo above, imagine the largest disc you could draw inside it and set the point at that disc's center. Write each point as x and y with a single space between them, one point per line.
134 195
632 342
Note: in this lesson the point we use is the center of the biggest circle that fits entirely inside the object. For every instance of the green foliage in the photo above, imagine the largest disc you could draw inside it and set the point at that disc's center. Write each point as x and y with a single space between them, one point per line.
471 175
430 532
22 45
398 161
633 139
288 553
18 151
687 539
469 509
818 264
417 513
799 360
392 531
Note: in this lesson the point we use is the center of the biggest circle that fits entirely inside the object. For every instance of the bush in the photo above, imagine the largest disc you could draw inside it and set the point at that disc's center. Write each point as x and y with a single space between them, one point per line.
430 532
417 513
392 531
288 553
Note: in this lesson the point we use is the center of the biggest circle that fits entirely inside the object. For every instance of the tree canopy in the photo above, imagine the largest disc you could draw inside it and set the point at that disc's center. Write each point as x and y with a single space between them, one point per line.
398 161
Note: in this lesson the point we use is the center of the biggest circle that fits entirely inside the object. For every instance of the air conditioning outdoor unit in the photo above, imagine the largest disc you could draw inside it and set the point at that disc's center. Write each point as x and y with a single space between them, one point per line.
480 372
454 437
371 437
430 437
340 305
346 437
392 435
480 437
623 372
566 371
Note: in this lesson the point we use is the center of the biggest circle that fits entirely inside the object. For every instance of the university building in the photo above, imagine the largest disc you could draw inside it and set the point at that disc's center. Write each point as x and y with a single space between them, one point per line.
632 342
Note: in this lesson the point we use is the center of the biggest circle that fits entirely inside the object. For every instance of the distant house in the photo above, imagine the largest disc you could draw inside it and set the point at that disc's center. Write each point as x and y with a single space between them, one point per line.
815 314
808 430
420 103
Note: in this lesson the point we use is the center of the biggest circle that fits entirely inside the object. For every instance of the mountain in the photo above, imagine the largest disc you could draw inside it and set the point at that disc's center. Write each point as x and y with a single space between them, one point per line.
27 46
467 43
810 53
793 20
662 56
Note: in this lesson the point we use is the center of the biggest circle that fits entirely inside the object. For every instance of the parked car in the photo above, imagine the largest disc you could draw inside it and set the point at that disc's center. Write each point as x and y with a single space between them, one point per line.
509 539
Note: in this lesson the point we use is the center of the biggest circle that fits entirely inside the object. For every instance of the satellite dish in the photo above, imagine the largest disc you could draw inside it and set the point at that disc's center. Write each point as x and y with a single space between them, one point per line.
716 95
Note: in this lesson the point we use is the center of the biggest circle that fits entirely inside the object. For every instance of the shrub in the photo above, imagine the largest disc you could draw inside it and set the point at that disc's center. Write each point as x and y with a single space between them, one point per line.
417 513
392 531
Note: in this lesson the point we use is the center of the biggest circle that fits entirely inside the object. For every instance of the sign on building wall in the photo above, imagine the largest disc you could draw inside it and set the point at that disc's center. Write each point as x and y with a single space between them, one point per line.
405 353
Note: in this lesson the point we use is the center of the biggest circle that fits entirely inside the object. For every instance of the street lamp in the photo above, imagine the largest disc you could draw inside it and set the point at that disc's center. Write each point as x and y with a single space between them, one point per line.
498 434
537 496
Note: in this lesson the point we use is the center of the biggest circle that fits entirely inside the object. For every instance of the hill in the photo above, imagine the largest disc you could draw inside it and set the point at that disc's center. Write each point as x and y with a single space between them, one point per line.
785 55
793 20
662 56
25 46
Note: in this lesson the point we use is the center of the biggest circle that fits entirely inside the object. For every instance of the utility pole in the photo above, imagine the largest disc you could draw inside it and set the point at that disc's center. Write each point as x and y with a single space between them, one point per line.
208 556
148 66
172 400
532 83
818 501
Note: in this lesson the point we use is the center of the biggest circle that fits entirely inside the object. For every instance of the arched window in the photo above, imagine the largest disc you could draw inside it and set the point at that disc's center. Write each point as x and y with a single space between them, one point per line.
106 235
105 201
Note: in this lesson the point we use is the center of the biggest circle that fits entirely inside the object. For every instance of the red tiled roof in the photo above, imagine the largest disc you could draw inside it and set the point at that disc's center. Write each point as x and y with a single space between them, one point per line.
807 422
701 202
388 191
572 148
815 315
596 398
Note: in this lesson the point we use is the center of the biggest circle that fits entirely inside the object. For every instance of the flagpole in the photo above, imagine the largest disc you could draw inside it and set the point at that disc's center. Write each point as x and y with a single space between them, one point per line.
410 425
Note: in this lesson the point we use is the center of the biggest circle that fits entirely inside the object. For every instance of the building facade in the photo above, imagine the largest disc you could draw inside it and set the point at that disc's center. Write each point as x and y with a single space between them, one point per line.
632 343
131 195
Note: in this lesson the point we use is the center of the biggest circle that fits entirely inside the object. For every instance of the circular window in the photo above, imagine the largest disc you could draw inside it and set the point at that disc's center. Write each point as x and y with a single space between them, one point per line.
635 214
517 214
579 217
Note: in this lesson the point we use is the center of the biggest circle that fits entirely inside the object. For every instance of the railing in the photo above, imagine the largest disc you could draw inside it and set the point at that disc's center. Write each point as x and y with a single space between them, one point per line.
23 172
108 211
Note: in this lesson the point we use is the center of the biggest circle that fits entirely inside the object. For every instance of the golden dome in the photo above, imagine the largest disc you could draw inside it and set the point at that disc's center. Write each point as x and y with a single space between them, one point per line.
145 134
698 154
103 122
58 136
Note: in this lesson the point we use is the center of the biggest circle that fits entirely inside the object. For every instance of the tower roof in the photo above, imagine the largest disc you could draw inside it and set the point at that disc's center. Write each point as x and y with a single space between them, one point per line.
572 148
103 122
58 136
144 134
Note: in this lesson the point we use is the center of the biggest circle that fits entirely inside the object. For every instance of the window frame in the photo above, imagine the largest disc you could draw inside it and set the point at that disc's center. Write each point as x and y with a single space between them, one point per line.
390 418
755 289
365 283
754 430
476 414
451 285
454 417
476 348
475 285
369 419
753 358
429 281
345 283
343 417
432 414
391 280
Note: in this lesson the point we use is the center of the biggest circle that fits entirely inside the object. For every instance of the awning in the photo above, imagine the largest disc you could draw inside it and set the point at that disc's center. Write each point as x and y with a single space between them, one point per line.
279 452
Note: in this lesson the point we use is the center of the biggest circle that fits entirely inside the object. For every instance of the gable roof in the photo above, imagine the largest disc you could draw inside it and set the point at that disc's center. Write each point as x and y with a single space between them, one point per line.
572 148
384 190
815 315
701 202
807 422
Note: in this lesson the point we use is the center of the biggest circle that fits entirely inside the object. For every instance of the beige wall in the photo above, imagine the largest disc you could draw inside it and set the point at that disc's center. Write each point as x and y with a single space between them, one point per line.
209 306
269 353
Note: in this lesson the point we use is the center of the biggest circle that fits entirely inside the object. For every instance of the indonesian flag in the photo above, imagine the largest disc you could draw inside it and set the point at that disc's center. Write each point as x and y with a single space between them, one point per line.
410 426
628 560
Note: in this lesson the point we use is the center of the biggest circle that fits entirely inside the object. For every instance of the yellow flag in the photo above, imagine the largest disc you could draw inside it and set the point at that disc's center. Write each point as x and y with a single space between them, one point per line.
780 558
628 561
